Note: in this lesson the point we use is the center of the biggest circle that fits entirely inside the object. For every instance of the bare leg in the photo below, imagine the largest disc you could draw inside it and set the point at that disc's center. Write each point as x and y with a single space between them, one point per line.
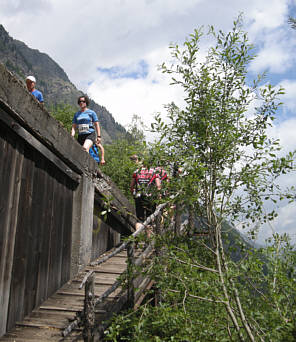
87 145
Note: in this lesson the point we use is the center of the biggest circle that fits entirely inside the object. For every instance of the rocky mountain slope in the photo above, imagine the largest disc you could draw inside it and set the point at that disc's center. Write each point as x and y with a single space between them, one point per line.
52 80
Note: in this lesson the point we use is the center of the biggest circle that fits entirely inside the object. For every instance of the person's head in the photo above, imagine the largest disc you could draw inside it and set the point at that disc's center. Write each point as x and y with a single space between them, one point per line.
30 83
83 101
134 158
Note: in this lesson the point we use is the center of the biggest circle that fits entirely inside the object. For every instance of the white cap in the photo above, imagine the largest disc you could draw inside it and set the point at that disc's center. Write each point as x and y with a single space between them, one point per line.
31 78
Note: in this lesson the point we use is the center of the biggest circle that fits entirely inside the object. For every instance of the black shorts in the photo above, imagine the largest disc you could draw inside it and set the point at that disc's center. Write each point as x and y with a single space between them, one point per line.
91 136
144 208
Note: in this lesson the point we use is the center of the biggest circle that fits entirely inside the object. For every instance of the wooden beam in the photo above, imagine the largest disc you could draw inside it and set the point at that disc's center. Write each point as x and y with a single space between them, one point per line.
29 138
9 226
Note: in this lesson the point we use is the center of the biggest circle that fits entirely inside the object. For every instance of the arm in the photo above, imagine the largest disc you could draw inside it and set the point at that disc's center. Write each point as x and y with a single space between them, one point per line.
41 100
158 186
98 130
158 183
73 130
100 146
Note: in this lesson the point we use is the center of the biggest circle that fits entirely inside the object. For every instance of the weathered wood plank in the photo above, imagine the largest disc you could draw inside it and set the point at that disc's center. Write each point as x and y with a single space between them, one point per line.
22 261
140 294
51 314
77 292
27 136
76 286
102 279
106 268
67 231
10 228
32 230
66 304
45 202
55 250
39 324
32 334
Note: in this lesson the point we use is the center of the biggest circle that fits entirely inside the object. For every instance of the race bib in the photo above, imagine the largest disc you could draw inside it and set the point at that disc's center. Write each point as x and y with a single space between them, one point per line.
83 128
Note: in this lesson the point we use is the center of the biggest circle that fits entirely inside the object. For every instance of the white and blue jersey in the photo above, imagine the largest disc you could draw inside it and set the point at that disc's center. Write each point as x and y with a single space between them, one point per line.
85 121
38 95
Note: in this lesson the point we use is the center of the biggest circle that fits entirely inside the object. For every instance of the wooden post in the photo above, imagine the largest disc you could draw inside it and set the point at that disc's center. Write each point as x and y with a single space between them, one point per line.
89 310
130 274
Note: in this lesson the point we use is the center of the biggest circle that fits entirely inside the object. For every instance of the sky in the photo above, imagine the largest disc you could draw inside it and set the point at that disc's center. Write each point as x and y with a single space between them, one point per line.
111 49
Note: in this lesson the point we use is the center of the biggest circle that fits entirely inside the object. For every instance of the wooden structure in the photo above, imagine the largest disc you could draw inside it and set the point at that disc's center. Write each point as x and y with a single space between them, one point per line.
71 315
47 322
51 196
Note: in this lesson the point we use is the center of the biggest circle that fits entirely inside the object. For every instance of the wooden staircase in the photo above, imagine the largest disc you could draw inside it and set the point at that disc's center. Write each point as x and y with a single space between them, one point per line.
47 322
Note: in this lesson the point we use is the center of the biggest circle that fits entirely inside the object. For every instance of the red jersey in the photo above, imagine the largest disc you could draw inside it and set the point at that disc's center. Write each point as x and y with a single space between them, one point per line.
144 178
162 173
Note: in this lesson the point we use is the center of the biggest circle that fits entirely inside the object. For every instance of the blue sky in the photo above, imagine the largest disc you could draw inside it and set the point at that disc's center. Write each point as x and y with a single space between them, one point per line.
137 71
111 50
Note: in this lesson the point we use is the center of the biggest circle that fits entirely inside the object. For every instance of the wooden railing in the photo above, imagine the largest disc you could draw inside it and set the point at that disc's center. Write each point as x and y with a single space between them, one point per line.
86 317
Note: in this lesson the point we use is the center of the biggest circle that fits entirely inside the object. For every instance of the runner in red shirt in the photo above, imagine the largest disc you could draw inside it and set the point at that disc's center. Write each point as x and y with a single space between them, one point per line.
143 186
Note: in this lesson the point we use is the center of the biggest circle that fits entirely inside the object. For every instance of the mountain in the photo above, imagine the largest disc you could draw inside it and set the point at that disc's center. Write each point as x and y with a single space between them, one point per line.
51 80
235 242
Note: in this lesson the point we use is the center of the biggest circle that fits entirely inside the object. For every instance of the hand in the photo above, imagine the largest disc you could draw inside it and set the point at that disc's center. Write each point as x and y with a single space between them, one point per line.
102 162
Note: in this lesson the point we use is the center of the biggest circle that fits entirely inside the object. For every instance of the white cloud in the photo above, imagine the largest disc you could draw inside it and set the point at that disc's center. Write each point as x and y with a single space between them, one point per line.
277 53
284 127
286 133
289 98
82 36
267 15
14 7
142 96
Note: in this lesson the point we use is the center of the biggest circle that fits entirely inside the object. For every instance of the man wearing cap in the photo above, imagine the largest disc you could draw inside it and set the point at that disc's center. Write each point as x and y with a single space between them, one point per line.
30 82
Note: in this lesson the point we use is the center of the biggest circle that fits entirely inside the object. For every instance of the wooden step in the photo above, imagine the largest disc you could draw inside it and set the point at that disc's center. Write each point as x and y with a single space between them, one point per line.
47 322
26 334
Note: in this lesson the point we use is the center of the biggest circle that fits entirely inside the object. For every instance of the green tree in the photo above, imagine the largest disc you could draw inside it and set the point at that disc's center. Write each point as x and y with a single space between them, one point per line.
135 131
64 113
231 170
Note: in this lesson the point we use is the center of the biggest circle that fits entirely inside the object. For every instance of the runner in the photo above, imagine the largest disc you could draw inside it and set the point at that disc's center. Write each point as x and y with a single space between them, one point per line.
144 185
87 123
30 83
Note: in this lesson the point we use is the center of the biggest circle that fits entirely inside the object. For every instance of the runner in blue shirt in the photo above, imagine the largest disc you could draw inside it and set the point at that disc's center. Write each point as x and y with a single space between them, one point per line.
30 83
87 123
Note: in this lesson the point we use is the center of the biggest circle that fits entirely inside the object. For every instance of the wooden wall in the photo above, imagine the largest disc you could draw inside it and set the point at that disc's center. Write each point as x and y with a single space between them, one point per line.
103 236
35 219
